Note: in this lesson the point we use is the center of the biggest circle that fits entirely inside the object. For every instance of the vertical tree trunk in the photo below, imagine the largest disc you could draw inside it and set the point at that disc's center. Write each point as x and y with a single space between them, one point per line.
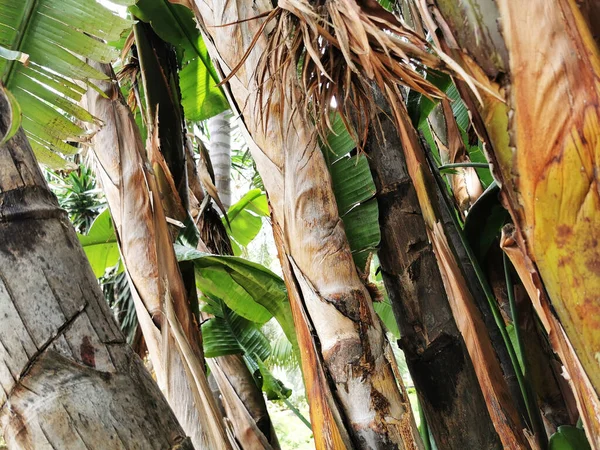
436 355
69 379
355 399
243 400
244 403
169 328
219 148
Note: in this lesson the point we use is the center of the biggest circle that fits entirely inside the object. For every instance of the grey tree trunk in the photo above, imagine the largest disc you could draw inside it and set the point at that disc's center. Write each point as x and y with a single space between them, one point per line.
219 149
69 379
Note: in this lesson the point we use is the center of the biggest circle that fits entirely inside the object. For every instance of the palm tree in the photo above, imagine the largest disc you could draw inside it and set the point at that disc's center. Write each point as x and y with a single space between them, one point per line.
160 297
344 351
436 354
354 120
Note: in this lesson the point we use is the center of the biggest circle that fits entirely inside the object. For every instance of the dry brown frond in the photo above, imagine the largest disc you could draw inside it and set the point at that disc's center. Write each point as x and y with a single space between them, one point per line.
338 49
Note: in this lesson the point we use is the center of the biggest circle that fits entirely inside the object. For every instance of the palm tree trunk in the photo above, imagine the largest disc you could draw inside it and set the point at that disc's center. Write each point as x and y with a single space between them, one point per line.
219 148
244 403
437 357
542 145
355 400
69 378
169 328
243 400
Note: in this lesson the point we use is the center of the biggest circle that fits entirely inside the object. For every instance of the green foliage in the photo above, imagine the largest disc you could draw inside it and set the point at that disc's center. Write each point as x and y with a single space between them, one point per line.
51 33
201 96
485 220
15 115
569 438
271 386
245 218
354 192
419 107
100 244
227 333
249 289
385 313
282 354
79 195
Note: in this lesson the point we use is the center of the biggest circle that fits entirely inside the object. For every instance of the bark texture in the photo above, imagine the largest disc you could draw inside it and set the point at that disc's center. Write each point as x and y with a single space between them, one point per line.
354 396
244 403
436 355
543 144
171 333
69 380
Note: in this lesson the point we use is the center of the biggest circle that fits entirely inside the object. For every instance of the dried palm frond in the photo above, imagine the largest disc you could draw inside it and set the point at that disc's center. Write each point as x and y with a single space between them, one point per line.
335 50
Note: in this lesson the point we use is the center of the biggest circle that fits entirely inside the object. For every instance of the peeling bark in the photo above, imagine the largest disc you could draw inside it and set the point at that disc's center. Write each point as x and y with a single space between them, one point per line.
436 355
69 380
354 396
171 333
543 146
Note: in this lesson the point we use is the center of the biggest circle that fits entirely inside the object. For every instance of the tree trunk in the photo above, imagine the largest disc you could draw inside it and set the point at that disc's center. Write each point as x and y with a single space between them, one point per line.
542 142
219 148
69 379
244 403
436 355
355 399
242 399
169 328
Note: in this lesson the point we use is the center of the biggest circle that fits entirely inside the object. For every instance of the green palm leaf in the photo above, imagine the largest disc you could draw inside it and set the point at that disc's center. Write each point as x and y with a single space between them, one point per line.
245 218
50 34
201 96
354 191
249 289
228 333
100 244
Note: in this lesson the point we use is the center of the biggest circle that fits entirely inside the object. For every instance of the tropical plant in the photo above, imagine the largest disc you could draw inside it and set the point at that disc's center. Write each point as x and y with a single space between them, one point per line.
442 150
342 343
44 45
78 194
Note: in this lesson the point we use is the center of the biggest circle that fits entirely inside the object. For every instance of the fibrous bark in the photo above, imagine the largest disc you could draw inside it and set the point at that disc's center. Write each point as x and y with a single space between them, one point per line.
69 380
436 355
170 331
354 397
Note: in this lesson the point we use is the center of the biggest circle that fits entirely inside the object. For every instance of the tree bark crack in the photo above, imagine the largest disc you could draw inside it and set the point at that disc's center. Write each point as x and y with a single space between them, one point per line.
33 360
